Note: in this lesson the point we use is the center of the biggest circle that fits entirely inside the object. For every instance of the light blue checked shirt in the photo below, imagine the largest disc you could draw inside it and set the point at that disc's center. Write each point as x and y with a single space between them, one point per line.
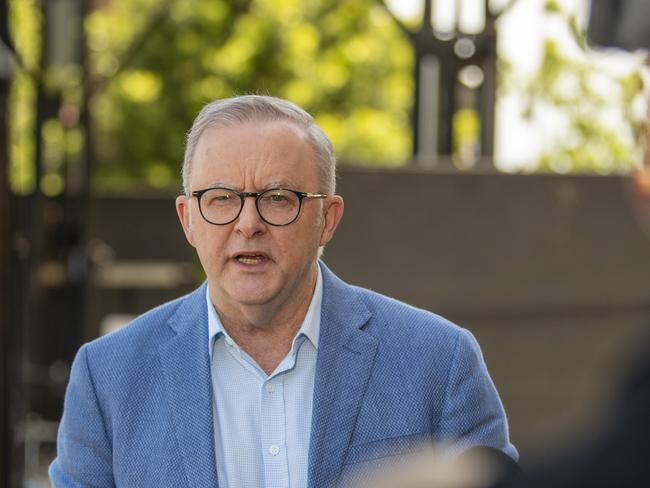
262 423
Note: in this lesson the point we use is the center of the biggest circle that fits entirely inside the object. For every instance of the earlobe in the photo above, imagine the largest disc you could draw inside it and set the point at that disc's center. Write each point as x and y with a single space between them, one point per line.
333 213
183 209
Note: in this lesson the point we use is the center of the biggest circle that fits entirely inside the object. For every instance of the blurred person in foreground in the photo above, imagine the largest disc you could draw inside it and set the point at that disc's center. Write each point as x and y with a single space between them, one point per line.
620 456
274 372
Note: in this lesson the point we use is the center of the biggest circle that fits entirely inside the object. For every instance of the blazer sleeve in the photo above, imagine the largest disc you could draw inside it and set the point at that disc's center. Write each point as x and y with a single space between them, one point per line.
472 410
84 456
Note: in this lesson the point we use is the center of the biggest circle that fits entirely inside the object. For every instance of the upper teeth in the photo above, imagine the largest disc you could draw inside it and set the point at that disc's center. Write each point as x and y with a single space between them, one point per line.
249 259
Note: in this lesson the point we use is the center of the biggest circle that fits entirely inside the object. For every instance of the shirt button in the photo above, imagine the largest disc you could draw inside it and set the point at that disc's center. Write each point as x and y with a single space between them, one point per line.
270 387
274 450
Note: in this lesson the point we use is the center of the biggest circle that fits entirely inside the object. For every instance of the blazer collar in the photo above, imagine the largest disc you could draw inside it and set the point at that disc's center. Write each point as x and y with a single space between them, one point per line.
186 370
345 359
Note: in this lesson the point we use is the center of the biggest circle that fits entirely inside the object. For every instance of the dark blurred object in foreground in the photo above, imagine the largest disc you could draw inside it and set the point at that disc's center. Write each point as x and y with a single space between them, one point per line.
503 467
620 459
619 23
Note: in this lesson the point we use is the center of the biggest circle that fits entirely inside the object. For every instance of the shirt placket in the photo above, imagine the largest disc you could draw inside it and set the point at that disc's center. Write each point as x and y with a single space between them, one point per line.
273 433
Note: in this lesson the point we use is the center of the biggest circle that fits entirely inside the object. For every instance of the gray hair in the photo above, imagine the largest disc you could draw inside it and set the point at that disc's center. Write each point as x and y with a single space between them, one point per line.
229 112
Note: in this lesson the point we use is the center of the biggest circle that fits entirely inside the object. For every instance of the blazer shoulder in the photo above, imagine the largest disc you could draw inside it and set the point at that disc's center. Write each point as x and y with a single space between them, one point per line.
407 321
143 333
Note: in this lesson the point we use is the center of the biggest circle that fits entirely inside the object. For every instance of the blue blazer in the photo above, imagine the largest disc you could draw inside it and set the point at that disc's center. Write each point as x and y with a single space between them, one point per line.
138 407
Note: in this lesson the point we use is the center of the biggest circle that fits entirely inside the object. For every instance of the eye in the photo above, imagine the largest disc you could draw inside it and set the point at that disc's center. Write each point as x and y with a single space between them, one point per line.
219 197
278 197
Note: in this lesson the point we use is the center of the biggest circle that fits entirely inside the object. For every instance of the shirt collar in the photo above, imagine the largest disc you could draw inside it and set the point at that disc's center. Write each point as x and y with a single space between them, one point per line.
310 327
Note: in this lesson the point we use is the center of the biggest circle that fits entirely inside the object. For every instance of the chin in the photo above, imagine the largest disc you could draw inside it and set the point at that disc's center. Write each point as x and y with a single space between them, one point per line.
252 296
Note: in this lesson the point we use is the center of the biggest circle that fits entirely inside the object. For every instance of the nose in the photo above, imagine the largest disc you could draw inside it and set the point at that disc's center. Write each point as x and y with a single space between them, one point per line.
249 222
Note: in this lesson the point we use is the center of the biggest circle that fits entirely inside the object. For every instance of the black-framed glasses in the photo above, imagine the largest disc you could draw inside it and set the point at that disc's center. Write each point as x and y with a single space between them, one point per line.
275 206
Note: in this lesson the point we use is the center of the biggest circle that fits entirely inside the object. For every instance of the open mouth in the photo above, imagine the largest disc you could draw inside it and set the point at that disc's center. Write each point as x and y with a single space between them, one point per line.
250 259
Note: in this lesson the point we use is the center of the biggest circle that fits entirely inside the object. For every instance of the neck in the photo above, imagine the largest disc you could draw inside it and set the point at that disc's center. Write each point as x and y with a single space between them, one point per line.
266 331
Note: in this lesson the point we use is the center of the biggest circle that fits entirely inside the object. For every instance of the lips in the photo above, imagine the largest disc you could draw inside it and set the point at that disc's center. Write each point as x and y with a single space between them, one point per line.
250 258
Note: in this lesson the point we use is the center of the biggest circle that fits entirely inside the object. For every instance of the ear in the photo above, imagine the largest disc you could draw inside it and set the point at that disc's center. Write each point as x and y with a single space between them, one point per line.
183 209
332 214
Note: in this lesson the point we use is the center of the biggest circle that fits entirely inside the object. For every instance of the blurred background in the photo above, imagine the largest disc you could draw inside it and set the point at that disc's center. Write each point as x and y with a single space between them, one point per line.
484 152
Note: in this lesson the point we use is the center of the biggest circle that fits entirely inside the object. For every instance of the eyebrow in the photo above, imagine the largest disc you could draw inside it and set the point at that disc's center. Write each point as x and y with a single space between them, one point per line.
278 184
217 184
268 186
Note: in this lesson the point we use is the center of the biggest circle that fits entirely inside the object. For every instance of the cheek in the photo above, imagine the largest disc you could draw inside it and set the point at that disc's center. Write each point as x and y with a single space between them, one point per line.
210 244
302 246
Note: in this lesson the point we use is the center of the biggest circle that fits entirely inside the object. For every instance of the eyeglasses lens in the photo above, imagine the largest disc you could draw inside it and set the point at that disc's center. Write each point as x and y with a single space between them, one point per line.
277 207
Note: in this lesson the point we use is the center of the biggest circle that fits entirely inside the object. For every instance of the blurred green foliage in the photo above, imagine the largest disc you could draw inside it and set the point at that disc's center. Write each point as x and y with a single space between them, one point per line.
599 138
152 64
595 104
347 63
25 23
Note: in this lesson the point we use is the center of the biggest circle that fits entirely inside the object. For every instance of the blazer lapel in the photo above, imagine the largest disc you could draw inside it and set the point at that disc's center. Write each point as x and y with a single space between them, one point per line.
345 360
186 369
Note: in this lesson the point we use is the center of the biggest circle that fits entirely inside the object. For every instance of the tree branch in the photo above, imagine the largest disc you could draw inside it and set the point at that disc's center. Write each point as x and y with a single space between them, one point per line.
139 40
399 23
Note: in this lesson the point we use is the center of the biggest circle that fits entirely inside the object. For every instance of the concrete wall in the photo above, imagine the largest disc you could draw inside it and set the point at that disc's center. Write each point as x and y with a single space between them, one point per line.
552 274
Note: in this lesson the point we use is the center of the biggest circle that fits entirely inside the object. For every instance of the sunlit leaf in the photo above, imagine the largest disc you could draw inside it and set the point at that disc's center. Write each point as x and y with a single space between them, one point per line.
141 86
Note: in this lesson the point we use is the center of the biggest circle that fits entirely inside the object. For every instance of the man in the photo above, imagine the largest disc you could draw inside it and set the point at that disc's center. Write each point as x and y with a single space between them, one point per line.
274 372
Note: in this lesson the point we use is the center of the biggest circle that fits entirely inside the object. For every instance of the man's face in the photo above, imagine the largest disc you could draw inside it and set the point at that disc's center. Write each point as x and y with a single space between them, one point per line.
249 262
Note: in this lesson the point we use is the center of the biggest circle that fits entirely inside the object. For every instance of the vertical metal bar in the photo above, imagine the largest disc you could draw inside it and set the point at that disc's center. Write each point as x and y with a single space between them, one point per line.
82 199
447 104
487 91
427 25
31 224
415 109
436 70
5 288
428 109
